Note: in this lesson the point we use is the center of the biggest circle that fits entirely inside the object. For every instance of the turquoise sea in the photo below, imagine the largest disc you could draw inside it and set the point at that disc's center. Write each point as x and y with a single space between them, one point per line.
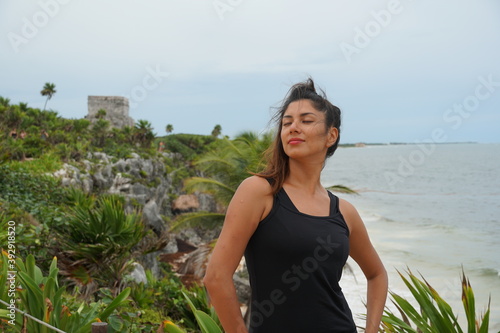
434 209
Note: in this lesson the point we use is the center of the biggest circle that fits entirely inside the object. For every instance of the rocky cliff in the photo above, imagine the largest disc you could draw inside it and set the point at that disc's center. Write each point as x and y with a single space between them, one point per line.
145 184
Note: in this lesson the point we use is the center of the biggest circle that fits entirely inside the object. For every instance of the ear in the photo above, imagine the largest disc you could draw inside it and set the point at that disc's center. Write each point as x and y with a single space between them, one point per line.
333 134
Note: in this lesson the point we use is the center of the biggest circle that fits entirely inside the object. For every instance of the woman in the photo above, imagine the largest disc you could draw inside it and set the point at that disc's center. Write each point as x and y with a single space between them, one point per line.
295 235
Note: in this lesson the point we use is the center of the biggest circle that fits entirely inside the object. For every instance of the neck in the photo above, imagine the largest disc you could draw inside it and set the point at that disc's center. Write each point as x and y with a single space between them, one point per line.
305 175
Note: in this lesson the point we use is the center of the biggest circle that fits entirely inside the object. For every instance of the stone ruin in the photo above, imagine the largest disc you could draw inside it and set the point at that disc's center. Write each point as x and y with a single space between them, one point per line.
116 108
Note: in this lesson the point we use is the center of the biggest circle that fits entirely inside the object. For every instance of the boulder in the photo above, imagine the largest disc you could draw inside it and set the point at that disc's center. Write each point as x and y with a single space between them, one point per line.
185 203
152 218
138 274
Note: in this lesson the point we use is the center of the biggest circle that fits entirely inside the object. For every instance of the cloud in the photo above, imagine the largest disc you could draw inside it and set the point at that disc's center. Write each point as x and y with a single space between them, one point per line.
422 58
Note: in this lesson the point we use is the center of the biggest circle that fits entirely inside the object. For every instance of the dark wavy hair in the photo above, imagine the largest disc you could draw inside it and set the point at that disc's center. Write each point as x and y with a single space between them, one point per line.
277 167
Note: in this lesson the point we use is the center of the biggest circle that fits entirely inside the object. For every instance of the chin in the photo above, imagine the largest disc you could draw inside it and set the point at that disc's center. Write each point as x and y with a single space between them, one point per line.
297 156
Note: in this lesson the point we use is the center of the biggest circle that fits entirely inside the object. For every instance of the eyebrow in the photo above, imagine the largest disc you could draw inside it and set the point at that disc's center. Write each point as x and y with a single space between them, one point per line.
301 115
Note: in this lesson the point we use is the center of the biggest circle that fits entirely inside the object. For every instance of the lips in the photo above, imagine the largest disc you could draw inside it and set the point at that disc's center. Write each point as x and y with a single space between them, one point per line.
295 141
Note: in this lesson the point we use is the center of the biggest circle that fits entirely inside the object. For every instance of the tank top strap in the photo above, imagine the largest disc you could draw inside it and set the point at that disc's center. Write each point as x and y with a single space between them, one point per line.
334 203
283 198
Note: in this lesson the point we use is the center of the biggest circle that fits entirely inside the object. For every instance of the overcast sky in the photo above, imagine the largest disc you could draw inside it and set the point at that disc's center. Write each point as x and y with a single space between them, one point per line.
401 71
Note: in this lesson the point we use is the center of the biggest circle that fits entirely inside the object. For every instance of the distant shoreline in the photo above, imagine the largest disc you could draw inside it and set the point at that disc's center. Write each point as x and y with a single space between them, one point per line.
364 144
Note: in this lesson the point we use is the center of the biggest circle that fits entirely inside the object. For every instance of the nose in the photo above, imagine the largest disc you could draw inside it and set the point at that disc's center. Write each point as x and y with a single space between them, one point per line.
294 126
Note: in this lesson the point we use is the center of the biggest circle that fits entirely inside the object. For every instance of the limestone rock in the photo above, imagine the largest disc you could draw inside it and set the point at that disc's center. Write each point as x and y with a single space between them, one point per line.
243 290
138 274
150 261
120 184
152 218
185 203
144 183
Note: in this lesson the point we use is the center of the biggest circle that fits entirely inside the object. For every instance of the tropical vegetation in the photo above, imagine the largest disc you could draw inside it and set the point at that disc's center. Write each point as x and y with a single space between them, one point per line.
49 89
74 250
43 297
430 313
80 247
223 168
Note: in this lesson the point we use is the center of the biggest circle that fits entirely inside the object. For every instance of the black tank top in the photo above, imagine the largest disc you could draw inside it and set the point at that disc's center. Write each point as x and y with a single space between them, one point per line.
295 263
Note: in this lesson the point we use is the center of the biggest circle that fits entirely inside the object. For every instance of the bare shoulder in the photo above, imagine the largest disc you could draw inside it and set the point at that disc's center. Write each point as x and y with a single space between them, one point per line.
350 214
255 194
346 207
255 185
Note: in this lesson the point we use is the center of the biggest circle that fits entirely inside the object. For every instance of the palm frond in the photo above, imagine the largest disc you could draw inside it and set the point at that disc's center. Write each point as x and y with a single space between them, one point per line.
198 218
342 189
223 192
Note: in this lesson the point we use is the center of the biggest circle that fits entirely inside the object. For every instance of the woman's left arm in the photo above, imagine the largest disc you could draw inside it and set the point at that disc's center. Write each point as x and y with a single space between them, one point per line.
363 252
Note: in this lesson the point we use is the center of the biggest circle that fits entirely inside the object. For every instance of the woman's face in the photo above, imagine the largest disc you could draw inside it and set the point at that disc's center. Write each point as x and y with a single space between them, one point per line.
303 131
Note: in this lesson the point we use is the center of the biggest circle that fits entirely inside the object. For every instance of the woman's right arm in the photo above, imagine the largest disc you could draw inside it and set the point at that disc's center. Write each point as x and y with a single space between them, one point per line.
252 201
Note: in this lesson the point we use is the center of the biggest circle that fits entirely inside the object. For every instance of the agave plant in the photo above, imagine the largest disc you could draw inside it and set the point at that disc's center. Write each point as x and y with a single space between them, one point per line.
43 298
435 314
208 323
97 245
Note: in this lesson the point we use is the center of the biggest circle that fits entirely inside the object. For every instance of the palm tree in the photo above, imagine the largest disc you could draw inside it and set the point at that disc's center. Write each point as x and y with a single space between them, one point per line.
13 117
169 128
128 134
100 131
101 114
23 106
4 101
49 89
144 133
12 150
224 168
217 130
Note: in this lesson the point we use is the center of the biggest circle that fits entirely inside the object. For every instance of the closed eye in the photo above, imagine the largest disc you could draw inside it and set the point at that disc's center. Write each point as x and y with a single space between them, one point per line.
303 122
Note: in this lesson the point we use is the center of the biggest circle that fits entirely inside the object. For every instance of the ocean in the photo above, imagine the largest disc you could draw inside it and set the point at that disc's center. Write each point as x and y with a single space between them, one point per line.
433 209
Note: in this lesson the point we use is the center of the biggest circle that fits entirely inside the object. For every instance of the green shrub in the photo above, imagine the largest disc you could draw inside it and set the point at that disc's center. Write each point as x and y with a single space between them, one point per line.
96 243
434 314
37 194
188 145
42 297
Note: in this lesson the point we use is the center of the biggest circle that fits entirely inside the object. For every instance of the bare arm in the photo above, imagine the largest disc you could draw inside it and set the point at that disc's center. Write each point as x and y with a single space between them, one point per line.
251 203
364 254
